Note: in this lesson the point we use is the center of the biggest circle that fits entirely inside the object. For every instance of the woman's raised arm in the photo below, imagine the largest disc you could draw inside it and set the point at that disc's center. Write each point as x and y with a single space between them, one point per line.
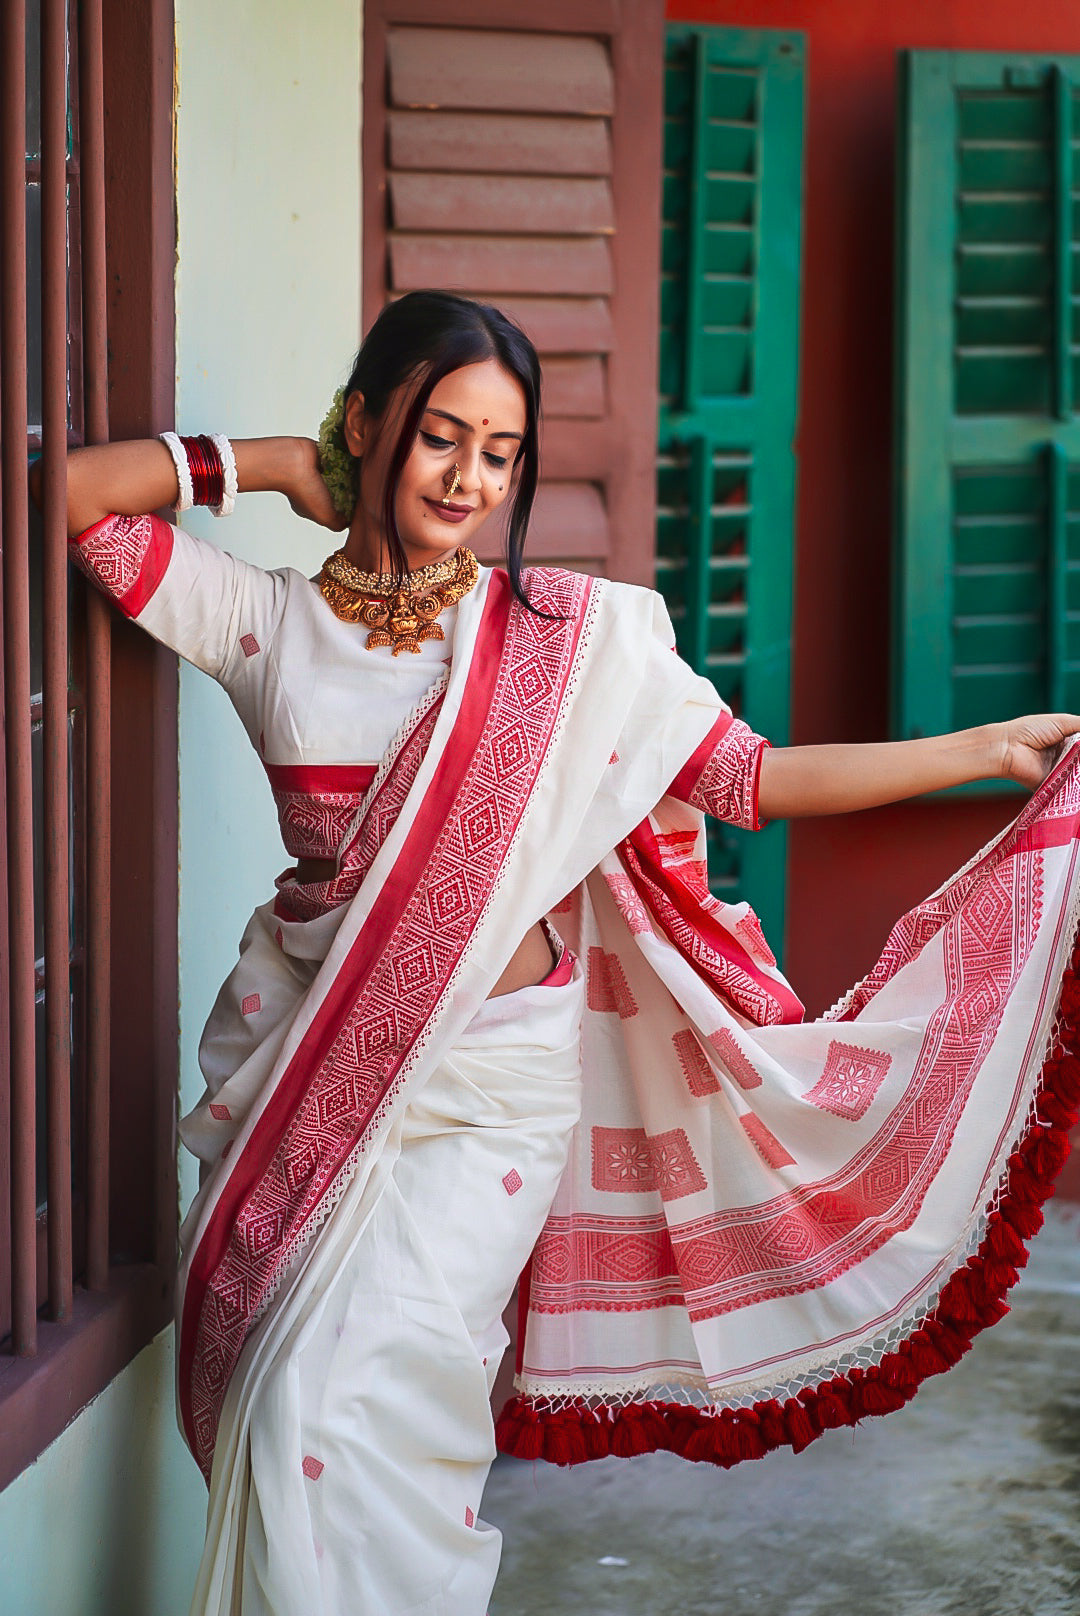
797 781
126 479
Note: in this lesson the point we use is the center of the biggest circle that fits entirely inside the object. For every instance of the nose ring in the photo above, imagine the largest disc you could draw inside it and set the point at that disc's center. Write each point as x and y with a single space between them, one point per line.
455 483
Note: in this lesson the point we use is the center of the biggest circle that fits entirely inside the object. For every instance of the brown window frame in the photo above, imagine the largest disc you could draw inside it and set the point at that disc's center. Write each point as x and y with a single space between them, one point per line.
131 1301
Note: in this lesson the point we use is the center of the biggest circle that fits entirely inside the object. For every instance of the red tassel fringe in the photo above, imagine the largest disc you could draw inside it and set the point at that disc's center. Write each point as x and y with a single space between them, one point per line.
971 1301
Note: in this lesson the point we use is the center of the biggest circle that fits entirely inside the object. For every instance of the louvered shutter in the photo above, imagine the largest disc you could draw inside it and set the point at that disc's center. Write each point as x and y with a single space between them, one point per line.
988 586
519 162
733 129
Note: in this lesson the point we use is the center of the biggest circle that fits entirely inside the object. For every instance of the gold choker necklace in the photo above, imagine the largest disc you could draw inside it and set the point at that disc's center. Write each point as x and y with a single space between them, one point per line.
399 612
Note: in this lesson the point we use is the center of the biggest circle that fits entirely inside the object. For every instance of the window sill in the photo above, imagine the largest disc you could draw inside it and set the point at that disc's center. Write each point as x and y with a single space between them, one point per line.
39 1396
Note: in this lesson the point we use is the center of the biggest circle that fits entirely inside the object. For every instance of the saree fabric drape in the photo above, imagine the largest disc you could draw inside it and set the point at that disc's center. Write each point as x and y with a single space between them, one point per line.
768 1229
551 737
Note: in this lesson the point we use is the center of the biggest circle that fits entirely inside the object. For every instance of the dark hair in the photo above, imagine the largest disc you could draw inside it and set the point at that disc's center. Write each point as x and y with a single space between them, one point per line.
425 336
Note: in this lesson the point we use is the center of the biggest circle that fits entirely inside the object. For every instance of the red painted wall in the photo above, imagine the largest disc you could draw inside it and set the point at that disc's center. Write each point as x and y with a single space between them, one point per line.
849 878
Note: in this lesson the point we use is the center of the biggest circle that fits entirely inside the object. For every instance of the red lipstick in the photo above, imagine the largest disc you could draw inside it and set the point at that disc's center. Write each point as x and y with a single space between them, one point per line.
449 513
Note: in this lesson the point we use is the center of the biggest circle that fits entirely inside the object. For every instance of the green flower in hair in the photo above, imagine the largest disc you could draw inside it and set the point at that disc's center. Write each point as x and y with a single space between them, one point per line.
338 467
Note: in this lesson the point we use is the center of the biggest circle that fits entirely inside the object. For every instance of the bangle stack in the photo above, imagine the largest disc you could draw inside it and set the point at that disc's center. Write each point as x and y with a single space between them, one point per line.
205 471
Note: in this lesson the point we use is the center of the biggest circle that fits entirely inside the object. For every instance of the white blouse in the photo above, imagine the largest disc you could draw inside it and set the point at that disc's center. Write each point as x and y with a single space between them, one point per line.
319 708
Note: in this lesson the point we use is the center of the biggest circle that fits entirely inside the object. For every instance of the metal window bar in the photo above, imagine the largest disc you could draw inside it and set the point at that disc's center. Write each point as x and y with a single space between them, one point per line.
98 658
16 619
57 897
73 390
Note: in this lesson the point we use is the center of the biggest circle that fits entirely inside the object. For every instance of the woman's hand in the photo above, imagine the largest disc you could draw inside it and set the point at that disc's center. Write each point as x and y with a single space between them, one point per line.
305 490
1031 746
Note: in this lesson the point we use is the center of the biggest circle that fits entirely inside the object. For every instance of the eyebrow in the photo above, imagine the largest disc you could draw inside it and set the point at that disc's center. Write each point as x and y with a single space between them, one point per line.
444 415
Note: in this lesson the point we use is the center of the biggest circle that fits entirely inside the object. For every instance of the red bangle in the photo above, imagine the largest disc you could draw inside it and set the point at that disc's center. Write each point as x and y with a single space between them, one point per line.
207 471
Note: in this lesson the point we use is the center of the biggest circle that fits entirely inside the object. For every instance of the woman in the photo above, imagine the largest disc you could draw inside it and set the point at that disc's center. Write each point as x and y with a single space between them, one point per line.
743 1228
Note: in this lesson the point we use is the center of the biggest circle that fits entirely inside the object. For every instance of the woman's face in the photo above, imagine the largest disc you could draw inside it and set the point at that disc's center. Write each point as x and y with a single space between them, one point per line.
475 420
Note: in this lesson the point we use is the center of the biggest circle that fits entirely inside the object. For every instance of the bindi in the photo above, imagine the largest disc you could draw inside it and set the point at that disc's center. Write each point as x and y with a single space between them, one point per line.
485 421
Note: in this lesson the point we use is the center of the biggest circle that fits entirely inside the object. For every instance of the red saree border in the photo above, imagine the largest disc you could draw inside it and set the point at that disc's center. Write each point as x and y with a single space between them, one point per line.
1034 830
387 989
971 1300
731 969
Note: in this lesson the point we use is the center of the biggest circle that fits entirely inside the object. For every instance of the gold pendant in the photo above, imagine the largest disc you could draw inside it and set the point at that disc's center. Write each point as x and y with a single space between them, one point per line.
396 616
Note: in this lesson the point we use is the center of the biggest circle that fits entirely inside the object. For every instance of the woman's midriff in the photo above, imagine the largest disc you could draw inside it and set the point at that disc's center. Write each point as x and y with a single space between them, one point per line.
531 962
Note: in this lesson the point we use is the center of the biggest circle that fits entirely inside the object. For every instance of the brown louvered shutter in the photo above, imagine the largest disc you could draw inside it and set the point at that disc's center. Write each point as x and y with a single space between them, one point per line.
520 163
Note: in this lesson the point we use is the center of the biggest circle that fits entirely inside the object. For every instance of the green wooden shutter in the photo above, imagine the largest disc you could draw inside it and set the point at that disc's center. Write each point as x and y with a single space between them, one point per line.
988 486
733 131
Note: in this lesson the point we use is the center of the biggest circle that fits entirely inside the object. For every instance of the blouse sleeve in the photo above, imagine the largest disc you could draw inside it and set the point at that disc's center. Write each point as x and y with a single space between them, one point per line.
680 735
722 776
200 601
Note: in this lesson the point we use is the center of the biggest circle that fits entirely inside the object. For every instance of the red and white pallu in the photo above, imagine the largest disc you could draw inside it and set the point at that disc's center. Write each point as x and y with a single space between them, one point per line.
765 1227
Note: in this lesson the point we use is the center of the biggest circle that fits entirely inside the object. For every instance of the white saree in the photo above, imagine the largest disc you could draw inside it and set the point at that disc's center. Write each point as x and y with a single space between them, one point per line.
765 1227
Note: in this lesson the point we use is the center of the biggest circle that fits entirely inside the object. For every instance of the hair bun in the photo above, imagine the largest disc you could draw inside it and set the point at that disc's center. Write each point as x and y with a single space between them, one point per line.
337 466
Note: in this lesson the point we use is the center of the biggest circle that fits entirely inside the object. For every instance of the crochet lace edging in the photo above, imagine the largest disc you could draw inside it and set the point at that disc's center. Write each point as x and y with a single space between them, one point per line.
569 1431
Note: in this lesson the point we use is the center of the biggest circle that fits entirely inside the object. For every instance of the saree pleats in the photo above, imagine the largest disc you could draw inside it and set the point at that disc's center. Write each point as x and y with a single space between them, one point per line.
357 1435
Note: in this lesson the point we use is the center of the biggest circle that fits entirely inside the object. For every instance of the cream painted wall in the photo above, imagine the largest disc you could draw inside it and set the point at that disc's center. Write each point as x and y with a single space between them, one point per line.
268 313
109 1521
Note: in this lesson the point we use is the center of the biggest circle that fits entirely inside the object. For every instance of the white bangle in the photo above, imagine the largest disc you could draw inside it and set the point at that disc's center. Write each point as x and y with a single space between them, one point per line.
186 497
228 467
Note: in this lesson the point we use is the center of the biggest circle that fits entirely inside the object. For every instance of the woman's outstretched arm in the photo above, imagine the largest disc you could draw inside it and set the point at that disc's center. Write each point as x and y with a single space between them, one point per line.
127 479
797 781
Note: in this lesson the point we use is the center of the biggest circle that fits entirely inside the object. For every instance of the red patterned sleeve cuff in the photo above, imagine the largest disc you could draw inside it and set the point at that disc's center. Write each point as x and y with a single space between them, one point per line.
126 556
721 778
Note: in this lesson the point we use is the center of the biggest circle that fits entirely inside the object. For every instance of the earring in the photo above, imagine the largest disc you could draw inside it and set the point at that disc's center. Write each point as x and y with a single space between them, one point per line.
455 475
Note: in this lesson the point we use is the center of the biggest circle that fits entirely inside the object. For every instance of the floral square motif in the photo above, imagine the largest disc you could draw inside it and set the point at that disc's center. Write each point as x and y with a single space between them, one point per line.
312 1467
627 1161
470 1518
606 987
700 1077
220 1113
512 1181
851 1078
250 1004
765 1142
621 1161
249 645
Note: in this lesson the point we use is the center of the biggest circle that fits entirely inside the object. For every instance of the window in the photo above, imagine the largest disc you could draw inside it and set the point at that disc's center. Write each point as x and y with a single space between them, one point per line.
87 954
733 121
988 450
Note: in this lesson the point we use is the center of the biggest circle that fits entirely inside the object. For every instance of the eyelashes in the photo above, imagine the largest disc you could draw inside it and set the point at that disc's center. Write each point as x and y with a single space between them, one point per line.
442 444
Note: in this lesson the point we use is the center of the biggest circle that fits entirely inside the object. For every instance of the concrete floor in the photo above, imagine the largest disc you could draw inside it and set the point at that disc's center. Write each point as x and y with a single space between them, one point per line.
965 1503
